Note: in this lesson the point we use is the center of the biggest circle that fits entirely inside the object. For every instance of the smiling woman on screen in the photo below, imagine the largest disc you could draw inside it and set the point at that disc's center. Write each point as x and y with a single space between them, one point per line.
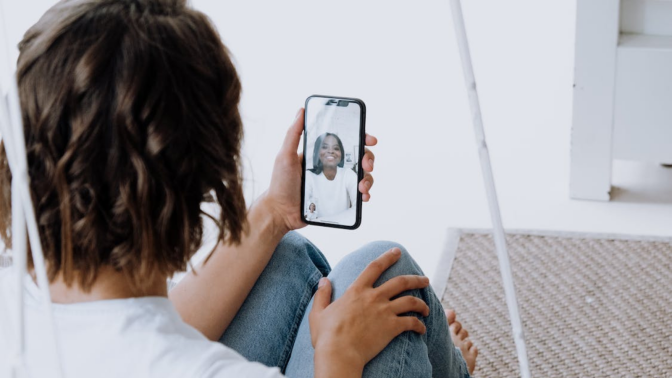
334 186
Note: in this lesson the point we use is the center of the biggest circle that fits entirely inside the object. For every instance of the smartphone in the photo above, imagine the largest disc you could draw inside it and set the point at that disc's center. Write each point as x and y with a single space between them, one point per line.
333 148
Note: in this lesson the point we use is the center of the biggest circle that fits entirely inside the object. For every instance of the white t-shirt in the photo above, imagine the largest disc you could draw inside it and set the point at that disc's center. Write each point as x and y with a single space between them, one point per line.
331 197
136 337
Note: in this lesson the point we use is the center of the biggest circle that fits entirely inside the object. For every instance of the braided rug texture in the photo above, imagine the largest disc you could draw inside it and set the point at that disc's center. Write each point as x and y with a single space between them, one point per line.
590 307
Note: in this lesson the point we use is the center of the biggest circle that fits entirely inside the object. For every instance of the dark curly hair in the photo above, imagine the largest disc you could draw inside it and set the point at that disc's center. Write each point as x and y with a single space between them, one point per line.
317 163
130 112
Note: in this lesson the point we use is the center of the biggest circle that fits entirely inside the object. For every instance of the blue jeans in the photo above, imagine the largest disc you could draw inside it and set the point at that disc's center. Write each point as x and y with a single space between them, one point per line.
272 325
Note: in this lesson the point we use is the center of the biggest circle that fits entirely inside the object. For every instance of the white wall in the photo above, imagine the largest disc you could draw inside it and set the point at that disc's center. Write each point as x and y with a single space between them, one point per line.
401 59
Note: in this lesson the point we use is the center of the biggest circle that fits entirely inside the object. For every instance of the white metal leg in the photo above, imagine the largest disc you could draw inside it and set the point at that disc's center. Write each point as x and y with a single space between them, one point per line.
486 168
11 127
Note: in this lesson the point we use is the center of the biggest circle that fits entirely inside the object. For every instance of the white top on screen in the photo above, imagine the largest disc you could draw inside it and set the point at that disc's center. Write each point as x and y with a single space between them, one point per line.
332 198
136 337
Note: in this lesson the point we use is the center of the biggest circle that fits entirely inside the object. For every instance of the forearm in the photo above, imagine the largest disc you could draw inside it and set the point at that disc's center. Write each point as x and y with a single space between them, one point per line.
209 299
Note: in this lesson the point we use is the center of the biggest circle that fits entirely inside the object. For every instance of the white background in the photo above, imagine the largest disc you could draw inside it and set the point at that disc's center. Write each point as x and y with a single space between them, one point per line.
344 122
400 57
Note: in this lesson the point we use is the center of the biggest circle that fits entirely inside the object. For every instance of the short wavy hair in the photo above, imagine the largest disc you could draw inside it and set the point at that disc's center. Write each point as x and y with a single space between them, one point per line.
130 112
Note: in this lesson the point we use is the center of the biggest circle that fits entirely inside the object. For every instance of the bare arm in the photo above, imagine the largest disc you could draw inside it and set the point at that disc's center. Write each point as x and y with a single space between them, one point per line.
210 299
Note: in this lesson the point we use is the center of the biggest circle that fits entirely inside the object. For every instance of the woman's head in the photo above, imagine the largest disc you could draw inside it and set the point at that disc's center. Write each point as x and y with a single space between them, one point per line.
131 121
328 153
311 207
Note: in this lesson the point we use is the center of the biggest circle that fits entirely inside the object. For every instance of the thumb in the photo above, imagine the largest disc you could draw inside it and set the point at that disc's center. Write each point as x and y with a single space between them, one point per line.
323 295
291 143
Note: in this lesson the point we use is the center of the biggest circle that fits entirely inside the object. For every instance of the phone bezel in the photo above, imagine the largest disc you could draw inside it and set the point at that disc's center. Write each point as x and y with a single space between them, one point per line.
360 171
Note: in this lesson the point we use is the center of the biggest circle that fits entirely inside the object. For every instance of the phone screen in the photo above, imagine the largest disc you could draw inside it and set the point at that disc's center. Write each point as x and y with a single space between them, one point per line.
333 149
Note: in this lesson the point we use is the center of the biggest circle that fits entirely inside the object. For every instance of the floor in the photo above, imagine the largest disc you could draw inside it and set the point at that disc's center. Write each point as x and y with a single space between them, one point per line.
574 292
401 59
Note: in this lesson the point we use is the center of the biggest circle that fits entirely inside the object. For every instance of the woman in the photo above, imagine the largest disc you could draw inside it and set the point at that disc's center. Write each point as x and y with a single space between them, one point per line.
130 115
329 184
311 214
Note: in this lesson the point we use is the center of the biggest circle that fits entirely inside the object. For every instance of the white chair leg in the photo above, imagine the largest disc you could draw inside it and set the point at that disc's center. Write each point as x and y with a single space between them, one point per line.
597 31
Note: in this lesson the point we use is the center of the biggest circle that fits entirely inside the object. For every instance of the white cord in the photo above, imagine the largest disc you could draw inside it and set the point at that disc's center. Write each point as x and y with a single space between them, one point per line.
19 261
489 181
15 148
17 362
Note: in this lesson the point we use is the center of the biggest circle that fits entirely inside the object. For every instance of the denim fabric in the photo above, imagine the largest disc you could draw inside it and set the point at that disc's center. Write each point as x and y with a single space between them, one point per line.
272 325
265 327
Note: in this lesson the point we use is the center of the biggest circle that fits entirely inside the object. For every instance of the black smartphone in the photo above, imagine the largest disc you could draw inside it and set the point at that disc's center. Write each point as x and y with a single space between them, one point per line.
333 148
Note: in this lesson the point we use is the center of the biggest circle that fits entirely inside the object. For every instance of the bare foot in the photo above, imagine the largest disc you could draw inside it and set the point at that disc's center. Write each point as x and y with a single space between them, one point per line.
460 339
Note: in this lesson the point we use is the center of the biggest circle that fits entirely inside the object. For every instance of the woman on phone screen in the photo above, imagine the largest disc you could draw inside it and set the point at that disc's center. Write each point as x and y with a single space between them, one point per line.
331 183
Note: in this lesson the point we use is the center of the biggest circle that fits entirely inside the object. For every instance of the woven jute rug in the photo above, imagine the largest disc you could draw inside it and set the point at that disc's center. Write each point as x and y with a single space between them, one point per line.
591 305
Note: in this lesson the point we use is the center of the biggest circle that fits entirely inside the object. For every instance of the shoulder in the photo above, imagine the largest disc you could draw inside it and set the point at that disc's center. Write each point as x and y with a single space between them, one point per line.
209 359
180 350
348 173
311 177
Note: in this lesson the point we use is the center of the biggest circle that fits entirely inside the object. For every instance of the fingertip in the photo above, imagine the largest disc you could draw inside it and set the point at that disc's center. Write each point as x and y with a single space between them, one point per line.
371 140
423 327
298 119
322 297
291 143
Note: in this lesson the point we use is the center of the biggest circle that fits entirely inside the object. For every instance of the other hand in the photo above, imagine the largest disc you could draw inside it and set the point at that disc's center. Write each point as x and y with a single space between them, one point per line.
359 325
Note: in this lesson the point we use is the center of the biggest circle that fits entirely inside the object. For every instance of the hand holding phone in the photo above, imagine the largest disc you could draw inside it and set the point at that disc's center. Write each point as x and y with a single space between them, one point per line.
334 137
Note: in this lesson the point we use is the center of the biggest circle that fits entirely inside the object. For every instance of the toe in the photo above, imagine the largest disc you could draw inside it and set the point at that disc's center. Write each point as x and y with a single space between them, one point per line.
450 316
468 344
456 327
463 334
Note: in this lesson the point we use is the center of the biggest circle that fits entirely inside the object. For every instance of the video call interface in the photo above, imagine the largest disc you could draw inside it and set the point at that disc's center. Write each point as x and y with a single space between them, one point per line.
332 158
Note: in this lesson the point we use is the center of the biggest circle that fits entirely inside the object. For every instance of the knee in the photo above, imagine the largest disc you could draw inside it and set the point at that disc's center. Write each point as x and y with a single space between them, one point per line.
359 259
295 248
293 241
292 246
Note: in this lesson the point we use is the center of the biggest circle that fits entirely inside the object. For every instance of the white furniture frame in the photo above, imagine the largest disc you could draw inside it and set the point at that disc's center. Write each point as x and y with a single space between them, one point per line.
622 90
